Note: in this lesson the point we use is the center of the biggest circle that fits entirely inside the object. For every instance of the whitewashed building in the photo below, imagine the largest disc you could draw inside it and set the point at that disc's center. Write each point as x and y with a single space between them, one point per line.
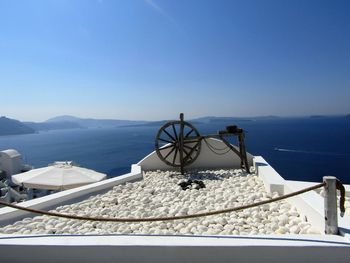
11 163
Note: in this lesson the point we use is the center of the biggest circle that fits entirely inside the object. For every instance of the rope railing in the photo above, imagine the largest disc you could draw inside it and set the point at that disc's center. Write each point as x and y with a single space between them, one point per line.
169 218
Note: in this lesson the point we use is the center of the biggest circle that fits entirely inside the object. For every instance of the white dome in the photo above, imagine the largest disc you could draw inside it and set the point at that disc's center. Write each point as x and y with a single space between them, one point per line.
11 153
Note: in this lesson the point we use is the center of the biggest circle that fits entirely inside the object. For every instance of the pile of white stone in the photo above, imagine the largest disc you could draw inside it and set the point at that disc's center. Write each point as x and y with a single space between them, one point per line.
159 194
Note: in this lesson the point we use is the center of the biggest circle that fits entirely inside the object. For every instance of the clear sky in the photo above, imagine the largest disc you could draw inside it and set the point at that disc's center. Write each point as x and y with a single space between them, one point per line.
150 60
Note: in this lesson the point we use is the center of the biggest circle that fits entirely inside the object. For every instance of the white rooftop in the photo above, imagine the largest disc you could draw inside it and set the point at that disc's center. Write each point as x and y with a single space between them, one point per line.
159 194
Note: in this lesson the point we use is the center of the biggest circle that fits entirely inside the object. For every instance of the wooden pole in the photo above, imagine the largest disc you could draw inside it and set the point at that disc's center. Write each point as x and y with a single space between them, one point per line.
330 205
181 142
244 158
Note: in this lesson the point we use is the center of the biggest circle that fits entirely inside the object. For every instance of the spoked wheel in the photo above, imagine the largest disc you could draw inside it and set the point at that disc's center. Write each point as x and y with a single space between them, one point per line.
178 143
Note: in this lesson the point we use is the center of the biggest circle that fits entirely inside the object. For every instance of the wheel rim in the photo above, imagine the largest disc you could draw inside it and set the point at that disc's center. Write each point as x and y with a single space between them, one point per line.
167 143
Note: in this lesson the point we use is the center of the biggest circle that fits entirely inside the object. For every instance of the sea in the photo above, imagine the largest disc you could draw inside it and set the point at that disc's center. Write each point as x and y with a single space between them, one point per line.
298 148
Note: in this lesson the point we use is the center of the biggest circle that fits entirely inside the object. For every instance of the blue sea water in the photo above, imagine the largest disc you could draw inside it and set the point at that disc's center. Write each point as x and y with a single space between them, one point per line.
298 148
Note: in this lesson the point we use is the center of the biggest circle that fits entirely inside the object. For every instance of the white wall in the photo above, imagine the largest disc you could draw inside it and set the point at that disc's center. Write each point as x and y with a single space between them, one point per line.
273 182
309 204
10 162
206 159
153 249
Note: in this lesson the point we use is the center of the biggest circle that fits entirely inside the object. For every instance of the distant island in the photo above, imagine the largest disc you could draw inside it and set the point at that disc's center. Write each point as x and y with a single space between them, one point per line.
12 127
317 116
46 126
92 123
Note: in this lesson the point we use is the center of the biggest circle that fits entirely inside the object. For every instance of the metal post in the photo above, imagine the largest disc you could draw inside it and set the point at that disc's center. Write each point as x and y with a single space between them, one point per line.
330 205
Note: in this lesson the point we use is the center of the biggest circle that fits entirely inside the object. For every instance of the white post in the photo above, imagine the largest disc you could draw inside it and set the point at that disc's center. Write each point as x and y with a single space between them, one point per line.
330 205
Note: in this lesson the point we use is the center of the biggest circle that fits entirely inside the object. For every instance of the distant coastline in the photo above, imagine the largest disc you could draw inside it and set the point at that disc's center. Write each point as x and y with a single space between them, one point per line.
15 127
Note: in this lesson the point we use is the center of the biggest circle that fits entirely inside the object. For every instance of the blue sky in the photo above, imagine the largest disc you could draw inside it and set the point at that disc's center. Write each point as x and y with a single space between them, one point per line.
151 60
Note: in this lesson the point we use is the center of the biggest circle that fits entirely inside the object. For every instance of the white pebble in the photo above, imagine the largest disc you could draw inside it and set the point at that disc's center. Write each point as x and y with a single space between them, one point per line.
160 195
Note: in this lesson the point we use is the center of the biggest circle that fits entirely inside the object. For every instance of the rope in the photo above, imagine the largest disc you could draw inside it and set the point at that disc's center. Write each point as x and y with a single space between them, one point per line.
109 219
341 188
218 149
212 148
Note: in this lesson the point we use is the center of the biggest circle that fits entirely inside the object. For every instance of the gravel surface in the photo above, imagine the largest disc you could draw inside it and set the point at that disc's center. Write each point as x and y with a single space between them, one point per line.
160 194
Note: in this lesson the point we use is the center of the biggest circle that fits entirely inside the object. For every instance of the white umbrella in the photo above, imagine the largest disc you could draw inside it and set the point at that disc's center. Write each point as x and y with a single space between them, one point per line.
58 176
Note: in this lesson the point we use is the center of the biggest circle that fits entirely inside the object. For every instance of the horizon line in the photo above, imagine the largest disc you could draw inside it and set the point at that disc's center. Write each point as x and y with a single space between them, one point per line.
193 118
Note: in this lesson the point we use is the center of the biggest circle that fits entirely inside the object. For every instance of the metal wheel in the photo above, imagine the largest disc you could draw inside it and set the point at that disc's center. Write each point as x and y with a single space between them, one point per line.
178 143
